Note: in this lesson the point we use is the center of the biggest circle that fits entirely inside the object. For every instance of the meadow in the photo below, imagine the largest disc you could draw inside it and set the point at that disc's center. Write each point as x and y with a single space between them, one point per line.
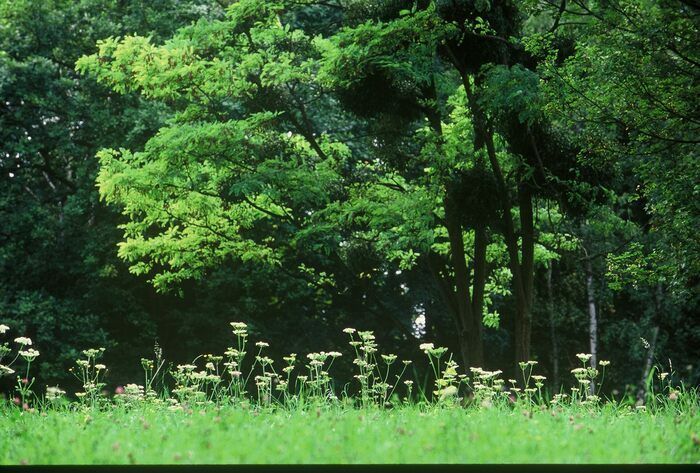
331 436
238 409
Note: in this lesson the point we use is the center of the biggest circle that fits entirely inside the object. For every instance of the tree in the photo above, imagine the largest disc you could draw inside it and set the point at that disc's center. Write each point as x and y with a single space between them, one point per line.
60 282
629 92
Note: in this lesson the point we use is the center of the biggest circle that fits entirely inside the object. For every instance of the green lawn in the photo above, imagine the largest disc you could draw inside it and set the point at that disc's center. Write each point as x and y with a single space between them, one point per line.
404 435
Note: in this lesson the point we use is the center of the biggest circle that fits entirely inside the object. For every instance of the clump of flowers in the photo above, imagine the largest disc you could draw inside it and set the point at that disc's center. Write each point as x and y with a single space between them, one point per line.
24 383
375 377
234 361
216 379
90 373
586 376
447 379
365 347
54 394
487 386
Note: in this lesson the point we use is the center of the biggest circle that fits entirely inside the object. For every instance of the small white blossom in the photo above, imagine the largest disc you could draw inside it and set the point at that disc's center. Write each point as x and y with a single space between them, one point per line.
29 355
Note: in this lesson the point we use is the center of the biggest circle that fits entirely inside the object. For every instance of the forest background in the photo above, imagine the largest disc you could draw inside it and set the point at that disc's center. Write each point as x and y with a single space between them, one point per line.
513 180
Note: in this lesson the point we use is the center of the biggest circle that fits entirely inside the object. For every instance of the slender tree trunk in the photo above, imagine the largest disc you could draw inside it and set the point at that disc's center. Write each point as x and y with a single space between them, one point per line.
647 366
652 343
469 321
527 272
521 258
552 326
592 319
464 296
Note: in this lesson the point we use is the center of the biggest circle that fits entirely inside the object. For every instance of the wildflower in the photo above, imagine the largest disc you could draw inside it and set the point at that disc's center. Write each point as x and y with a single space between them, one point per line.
349 330
99 367
93 352
532 363
513 382
366 336
538 377
603 362
408 383
426 347
389 359
317 356
29 355
238 325
334 354
23 340
262 344
210 366
584 357
4 328
53 393
406 362
449 391
522 365
119 390
673 395
663 376
6 370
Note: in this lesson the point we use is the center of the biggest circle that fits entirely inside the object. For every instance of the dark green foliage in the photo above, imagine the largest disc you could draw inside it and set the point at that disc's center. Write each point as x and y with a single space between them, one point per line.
293 164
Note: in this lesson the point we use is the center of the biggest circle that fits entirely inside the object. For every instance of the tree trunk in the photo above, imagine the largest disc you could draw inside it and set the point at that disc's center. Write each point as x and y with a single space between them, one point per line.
592 319
526 273
521 259
652 344
469 319
464 296
647 366
552 326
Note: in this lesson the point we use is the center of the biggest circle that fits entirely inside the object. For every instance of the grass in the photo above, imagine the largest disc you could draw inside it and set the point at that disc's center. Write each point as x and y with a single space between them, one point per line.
409 434
223 413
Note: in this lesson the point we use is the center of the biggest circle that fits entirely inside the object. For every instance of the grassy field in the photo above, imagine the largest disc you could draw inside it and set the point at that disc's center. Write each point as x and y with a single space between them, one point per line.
402 435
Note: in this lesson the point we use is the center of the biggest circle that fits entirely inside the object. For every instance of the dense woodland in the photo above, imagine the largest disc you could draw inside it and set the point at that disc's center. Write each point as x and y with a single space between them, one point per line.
514 180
